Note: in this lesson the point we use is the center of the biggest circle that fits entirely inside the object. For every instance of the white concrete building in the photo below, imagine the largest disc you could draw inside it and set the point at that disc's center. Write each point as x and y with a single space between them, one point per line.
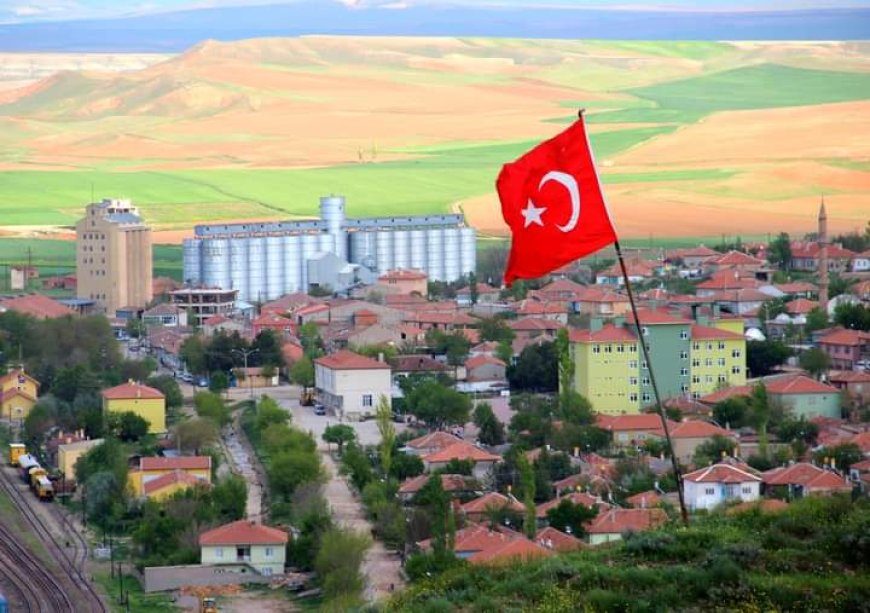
709 487
245 542
350 384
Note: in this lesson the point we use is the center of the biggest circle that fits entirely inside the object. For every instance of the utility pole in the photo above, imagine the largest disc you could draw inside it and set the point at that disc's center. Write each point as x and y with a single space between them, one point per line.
245 353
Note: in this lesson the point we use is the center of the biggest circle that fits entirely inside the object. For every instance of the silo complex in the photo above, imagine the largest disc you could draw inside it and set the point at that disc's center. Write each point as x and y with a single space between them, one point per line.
267 260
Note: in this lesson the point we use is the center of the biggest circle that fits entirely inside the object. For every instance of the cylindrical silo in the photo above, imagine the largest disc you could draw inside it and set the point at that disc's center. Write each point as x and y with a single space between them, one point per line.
417 238
256 264
310 246
435 254
363 248
214 263
192 261
401 249
274 270
332 213
468 241
292 263
452 254
384 254
327 244
238 266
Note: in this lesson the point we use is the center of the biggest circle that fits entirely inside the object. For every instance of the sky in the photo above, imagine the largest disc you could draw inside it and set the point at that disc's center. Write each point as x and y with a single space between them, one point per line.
24 11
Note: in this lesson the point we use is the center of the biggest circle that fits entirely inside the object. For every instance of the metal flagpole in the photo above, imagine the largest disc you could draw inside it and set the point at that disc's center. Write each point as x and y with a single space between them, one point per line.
652 379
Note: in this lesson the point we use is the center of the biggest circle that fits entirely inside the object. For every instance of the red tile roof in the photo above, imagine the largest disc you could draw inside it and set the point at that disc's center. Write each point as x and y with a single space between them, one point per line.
348 360
649 317
196 462
171 478
704 333
403 275
698 429
417 363
492 500
433 440
849 376
720 473
628 423
845 337
813 250
729 392
557 540
243 532
450 483
643 500
607 334
796 287
863 441
801 306
733 258
480 360
812 478
535 324
522 549
13 392
798 384
617 521
461 451
13 375
127 391
534 307
37 305
587 500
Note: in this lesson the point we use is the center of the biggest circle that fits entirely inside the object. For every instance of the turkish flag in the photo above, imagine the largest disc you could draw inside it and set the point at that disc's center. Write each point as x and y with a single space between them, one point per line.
551 199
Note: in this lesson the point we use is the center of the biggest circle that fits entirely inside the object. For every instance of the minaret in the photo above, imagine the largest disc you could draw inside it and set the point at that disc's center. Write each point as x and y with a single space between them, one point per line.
823 257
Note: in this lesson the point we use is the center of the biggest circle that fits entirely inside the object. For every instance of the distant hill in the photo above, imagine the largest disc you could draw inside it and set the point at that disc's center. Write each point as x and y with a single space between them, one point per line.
179 30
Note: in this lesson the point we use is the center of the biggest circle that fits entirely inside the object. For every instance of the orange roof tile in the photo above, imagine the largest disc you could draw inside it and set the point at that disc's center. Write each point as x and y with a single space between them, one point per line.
433 440
798 384
649 317
550 538
450 483
37 305
196 462
461 451
171 478
492 500
348 360
243 532
650 498
698 429
801 306
626 423
720 473
607 334
703 333
842 336
480 360
733 258
617 521
521 548
127 391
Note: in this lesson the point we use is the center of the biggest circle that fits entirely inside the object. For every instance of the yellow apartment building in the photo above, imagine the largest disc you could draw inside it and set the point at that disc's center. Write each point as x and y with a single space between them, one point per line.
140 399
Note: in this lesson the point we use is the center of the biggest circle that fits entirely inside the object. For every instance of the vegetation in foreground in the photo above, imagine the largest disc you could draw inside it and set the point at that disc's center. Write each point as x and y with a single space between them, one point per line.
813 556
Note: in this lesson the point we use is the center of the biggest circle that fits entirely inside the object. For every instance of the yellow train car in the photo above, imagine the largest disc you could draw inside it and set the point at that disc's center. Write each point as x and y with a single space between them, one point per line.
43 488
16 450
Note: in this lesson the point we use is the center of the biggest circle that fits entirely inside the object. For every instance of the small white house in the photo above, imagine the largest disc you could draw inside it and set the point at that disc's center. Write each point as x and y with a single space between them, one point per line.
245 542
350 384
709 487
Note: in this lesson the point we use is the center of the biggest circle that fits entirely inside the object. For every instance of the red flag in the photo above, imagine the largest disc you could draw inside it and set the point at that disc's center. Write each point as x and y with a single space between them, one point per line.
551 199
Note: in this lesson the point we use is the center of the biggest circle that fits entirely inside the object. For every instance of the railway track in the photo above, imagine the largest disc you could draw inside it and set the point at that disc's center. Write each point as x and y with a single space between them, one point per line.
38 588
73 566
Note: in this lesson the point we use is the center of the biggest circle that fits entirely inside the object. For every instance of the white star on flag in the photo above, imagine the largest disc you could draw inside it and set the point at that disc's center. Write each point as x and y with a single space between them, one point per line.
533 214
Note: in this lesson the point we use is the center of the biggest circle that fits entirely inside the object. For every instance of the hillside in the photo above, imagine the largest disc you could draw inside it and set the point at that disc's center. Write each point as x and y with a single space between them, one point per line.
260 128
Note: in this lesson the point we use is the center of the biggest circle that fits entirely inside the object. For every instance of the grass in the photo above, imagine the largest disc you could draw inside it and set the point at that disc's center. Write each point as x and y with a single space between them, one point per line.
140 602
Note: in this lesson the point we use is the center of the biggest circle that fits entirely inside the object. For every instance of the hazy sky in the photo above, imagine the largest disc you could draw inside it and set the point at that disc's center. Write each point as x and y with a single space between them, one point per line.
41 10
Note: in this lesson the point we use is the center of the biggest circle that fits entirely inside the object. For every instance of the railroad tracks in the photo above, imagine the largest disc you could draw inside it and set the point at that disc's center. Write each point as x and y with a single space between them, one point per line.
73 566
35 588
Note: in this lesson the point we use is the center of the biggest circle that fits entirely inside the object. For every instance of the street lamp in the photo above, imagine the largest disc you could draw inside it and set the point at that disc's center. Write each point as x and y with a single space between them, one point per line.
245 353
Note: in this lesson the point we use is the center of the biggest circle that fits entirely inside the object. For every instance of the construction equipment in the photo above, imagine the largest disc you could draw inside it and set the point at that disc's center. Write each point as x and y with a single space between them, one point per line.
208 605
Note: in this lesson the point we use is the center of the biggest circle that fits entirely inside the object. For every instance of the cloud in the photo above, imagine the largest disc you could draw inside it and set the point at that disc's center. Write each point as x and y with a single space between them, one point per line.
27 11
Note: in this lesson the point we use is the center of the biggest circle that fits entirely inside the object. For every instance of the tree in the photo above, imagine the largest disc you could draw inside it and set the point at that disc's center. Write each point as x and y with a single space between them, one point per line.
536 369
338 562
438 406
815 361
268 347
229 497
436 502
169 387
290 469
406 465
384 418
41 418
355 462
474 294
490 429
817 319
711 450
731 412
269 412
495 329
211 405
218 382
779 251
570 517
128 426
565 362
309 337
195 434
527 485
843 455
852 316
102 495
193 354
763 356
339 434
759 415
455 346
302 372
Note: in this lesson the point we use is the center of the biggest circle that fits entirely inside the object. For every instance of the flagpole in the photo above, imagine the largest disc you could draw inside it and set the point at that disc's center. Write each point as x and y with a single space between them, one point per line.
683 512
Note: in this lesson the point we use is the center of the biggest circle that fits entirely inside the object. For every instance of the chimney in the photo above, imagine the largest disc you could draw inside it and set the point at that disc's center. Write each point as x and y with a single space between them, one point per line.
547 446
380 356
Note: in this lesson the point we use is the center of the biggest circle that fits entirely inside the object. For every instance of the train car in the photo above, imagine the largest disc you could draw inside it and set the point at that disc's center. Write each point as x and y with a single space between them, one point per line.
16 450
43 488
25 463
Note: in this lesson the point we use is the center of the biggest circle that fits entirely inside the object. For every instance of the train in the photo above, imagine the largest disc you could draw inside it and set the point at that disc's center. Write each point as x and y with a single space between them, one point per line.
16 450
36 477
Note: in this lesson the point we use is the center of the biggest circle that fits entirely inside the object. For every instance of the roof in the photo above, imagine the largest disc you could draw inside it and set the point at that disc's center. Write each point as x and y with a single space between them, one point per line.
13 392
796 287
417 363
704 333
164 308
800 249
733 258
492 500
617 521
798 384
14 374
535 324
450 483
627 423
535 307
403 275
849 376
650 317
171 478
720 473
37 305
607 334
433 440
521 548
130 390
196 462
801 306
842 336
698 429
215 320
587 500
807 475
557 540
348 360
461 450
742 294
480 360
243 532
723 394
649 498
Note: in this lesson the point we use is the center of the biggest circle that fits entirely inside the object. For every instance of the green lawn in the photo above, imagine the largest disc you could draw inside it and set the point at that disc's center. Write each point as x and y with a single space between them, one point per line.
140 602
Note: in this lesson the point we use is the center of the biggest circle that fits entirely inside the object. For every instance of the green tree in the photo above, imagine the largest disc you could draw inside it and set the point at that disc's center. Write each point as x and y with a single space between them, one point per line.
852 316
384 418
490 429
817 319
169 387
759 415
763 356
731 412
571 517
309 337
355 462
536 370
211 405
438 406
779 251
229 497
495 329
195 434
472 287
527 485
815 361
338 562
193 354
128 426
41 418
302 372
339 434
843 455
406 465
565 362
269 412
290 469
268 347
711 450
218 382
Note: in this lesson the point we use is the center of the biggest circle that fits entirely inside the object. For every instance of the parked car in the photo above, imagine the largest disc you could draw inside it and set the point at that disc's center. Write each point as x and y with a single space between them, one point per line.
319 409
202 382
187 377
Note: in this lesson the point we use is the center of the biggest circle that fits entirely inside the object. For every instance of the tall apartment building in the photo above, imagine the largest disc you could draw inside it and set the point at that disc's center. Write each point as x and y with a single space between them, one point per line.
113 256
689 358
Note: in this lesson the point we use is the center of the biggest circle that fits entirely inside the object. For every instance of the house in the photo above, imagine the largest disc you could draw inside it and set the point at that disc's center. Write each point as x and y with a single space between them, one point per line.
481 545
861 261
644 500
691 257
709 487
484 368
805 257
532 327
350 385
169 484
281 326
401 281
245 542
632 430
152 468
611 524
718 357
455 485
36 305
405 365
859 474
222 323
637 270
69 453
804 479
430 443
542 309
486 294
556 540
687 436
135 397
483 460
478 509
165 314
587 500
256 376
853 384
845 347
797 289
739 301
733 260
803 396
601 302
18 392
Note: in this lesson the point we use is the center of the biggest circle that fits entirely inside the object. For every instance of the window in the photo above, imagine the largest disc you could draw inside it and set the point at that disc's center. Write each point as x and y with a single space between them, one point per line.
646 397
696 363
643 365
710 491
735 353
645 381
735 370
645 331
367 400
723 379
696 395
632 380
219 552
608 348
721 345
696 346
633 348
684 335
696 379
596 348
684 387
708 378
721 361
632 364
684 355
684 372
632 397
269 552
709 346
747 489
620 348
708 362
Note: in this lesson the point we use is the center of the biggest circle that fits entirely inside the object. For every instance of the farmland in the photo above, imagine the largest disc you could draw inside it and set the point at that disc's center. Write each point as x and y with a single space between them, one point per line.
726 138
